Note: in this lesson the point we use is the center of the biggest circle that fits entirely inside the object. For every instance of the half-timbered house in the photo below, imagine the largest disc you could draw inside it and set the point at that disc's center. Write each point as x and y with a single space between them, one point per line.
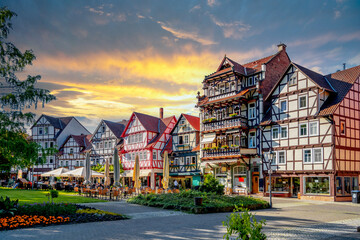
145 136
313 129
52 132
72 153
184 162
231 109
105 138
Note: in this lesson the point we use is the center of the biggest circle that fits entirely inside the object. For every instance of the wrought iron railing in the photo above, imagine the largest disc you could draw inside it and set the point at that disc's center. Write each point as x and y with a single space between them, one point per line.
236 121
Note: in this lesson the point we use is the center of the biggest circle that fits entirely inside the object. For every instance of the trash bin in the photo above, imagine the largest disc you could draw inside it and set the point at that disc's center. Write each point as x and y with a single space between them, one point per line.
355 196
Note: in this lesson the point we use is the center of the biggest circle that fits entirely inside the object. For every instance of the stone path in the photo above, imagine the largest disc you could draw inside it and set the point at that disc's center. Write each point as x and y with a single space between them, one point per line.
289 219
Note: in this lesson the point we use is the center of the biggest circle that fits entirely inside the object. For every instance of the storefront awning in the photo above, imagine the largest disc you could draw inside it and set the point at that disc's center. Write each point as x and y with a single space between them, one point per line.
143 172
230 161
208 138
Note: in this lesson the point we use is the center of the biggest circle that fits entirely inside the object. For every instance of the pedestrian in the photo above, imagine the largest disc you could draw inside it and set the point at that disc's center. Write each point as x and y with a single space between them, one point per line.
176 184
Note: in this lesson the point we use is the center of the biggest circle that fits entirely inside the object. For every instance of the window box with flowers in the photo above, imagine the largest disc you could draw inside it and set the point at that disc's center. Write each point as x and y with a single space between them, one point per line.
234 146
214 148
224 146
233 115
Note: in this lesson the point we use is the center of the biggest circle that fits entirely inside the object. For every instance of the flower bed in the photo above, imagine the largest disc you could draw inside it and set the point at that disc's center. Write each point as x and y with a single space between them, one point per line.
184 201
29 215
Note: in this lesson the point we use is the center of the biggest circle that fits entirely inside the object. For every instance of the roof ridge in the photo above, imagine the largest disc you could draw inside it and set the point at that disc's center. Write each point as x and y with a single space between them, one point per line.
261 59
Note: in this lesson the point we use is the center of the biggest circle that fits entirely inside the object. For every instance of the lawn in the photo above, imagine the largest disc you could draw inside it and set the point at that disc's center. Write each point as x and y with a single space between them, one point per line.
184 201
38 196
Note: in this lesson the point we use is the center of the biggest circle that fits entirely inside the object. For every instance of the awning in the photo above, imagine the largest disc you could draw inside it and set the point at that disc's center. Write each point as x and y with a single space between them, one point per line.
208 138
130 173
203 163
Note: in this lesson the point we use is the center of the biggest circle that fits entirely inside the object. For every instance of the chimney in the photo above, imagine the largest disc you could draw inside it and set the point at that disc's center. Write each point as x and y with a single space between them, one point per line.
281 47
344 66
161 113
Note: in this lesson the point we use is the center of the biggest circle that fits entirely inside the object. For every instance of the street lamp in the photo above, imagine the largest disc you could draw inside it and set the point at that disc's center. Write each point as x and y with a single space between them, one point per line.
270 156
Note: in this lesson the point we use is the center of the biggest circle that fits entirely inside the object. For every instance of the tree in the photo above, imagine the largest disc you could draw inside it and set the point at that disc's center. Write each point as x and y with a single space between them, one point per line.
16 148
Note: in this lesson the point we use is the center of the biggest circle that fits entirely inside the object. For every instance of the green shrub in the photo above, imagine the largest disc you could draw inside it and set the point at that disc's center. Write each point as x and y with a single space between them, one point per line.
243 225
8 207
47 209
211 185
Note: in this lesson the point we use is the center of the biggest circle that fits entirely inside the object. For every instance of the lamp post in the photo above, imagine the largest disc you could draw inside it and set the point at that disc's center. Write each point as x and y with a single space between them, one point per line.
270 156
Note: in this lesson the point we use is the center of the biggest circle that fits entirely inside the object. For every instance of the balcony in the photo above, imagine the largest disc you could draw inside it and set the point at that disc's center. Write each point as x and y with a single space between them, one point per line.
227 152
222 95
230 122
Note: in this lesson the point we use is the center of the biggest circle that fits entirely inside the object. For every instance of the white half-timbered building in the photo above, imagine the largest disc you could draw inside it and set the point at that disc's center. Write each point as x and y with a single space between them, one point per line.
146 136
184 158
313 129
231 109
72 153
105 138
52 132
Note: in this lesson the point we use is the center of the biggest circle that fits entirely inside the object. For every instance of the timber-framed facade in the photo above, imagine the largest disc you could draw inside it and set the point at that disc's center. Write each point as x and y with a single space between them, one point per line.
231 110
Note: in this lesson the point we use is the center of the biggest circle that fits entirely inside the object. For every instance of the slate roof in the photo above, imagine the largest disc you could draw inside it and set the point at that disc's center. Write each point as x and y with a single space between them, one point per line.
82 140
116 128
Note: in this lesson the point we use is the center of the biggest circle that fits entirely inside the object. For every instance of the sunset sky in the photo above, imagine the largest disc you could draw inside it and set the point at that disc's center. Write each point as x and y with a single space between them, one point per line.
106 59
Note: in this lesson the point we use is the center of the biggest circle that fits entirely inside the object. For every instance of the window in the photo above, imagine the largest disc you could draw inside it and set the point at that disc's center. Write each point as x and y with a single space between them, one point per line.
103 129
187 161
77 163
237 140
275 132
40 131
250 81
252 140
181 140
46 130
284 132
71 150
313 128
46 145
51 160
317 185
342 127
186 139
193 160
307 155
347 186
105 145
281 157
67 163
51 144
283 106
97 145
251 110
222 88
303 129
154 155
273 161
318 155
302 102
292 79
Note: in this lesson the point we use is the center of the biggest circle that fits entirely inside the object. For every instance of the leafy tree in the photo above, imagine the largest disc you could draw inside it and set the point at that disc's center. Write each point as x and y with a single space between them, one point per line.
211 185
16 148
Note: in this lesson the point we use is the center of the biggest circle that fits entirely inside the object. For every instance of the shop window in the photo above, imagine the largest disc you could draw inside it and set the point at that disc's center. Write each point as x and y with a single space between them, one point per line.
355 183
338 183
317 185
347 185
239 173
280 184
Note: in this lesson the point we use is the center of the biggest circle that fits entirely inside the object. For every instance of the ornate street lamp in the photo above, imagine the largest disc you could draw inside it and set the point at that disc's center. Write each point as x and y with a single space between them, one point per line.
270 157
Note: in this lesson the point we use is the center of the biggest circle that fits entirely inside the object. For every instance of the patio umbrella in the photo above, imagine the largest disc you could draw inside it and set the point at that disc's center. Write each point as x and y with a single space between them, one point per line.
55 173
165 180
87 169
136 174
80 173
107 173
116 168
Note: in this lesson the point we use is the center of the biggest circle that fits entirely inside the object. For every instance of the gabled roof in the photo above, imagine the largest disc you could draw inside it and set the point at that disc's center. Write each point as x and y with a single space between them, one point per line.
116 128
342 82
255 66
150 123
59 123
317 78
82 140
196 149
194 121
163 124
167 147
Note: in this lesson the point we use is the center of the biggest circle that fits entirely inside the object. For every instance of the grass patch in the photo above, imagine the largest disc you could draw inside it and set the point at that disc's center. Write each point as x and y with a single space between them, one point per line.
184 201
39 196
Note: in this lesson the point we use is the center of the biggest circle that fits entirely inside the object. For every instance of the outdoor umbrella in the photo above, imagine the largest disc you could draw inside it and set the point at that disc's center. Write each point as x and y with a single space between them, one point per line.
55 173
80 173
107 173
87 169
165 180
136 174
116 168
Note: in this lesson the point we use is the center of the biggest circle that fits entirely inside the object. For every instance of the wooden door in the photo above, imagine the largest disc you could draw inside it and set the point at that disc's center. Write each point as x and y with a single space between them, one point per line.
255 182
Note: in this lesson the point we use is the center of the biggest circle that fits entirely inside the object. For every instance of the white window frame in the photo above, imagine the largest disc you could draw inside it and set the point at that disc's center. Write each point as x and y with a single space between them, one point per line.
291 79
307 129
286 106
322 155
254 146
274 160
311 156
154 154
186 139
287 132
306 101
272 133
317 128
278 158
252 109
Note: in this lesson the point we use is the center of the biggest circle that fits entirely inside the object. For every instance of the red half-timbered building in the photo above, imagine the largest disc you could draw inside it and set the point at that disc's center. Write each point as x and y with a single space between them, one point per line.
313 129
146 136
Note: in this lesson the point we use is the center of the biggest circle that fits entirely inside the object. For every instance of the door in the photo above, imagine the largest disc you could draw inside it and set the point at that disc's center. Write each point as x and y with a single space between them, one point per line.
255 182
296 186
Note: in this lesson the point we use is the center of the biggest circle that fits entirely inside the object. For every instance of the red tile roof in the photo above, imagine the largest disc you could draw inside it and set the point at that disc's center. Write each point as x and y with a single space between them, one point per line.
168 146
255 66
196 149
194 121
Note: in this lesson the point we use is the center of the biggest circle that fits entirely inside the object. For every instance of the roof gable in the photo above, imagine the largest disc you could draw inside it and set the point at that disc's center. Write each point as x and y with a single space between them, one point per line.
116 128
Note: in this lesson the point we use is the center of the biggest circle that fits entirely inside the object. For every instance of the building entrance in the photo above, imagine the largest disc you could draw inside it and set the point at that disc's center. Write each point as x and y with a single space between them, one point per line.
295 186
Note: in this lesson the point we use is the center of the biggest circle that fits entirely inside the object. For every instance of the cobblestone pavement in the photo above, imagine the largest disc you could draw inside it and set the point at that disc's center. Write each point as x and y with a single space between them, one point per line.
289 219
